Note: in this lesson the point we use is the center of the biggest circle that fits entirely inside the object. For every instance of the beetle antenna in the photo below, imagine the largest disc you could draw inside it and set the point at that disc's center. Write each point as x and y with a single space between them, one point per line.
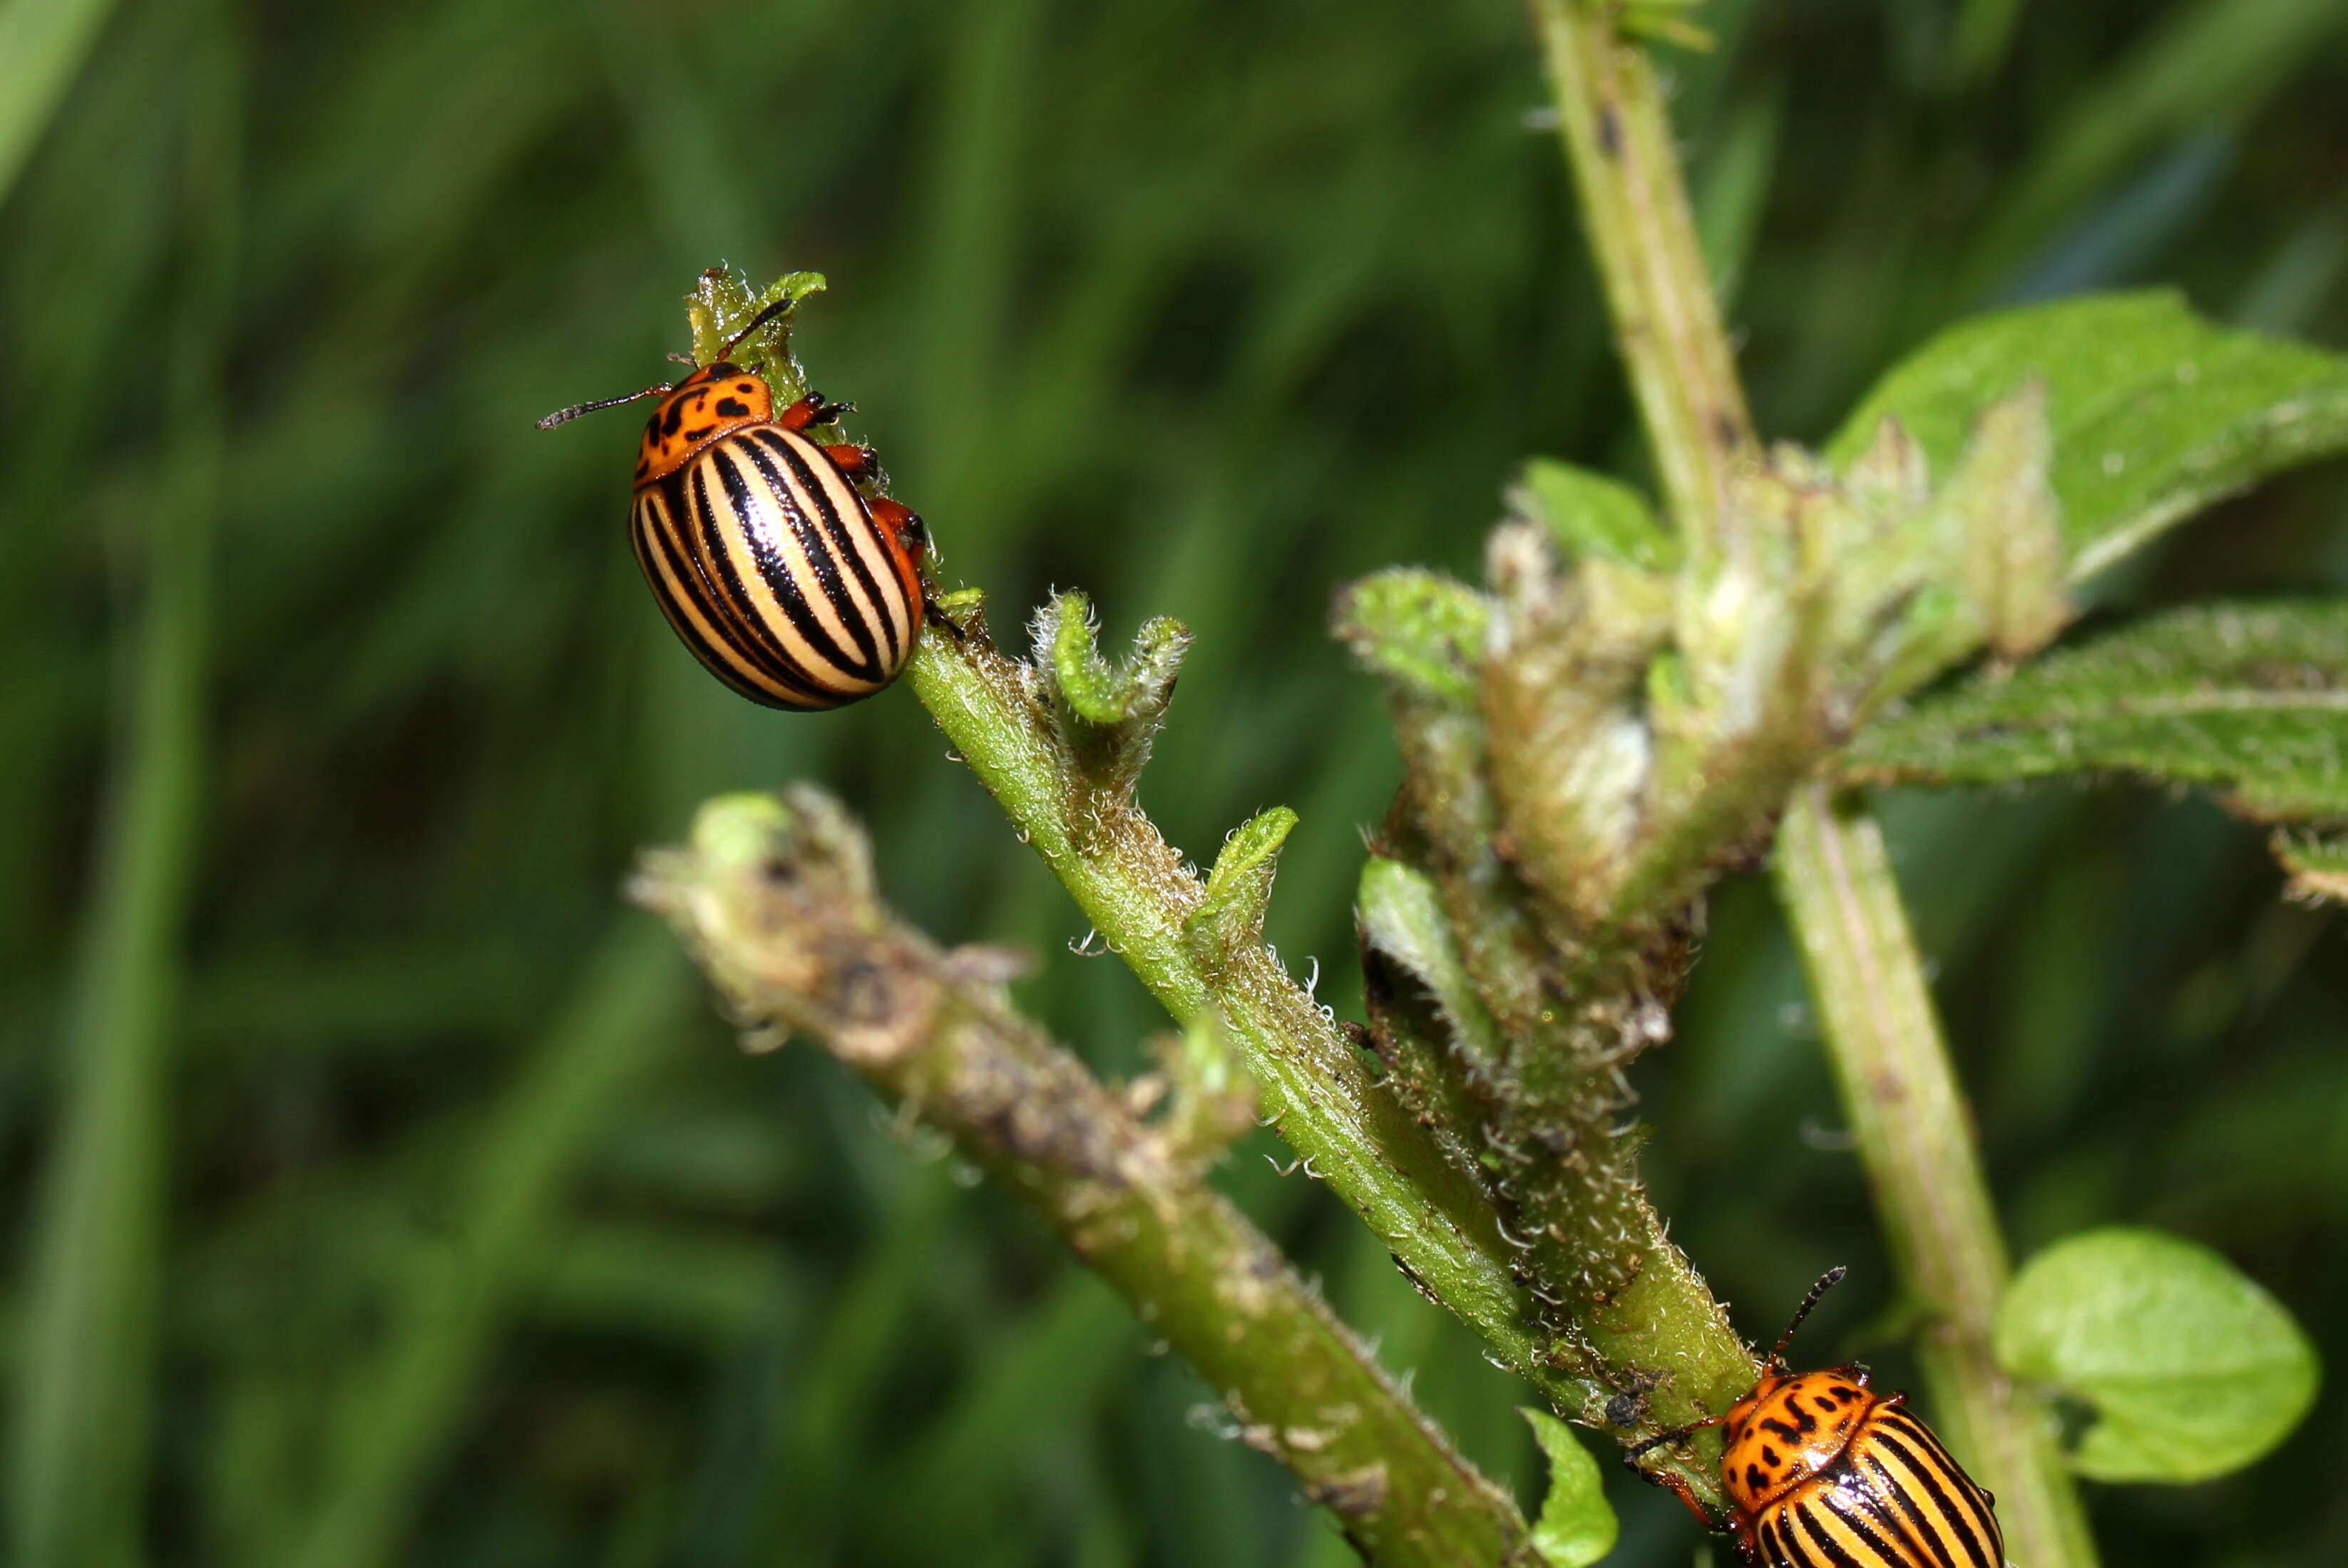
563 416
1826 1282
757 321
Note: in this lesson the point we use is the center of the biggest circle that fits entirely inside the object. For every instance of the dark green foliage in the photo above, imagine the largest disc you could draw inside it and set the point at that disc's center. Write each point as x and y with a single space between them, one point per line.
2154 412
2251 699
480 1242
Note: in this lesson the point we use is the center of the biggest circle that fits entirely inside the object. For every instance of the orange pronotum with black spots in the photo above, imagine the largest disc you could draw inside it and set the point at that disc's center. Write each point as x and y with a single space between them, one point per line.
1821 1471
787 581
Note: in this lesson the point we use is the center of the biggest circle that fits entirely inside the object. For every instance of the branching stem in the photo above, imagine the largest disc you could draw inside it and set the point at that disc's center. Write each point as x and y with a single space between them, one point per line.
776 898
1137 893
1831 872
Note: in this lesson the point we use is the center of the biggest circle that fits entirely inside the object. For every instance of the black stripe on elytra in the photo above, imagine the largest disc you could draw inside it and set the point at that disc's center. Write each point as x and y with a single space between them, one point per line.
859 537
1872 1517
1964 1529
1773 1545
822 541
1871 1486
654 546
788 592
1930 1441
728 596
740 646
1943 1465
1826 1548
850 542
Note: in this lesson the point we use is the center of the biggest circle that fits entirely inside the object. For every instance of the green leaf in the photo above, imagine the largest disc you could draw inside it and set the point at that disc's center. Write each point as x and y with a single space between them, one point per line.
1104 716
1136 690
1420 629
1592 516
722 304
1239 890
2318 865
1403 916
1576 1526
2155 412
2249 698
2193 1371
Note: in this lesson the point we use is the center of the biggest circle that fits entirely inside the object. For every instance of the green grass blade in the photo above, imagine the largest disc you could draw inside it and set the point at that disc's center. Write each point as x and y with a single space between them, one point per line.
398 1417
77 1478
2214 63
43 44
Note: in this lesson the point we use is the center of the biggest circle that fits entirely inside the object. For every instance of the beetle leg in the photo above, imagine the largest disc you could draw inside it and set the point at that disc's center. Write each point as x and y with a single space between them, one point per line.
944 623
857 463
1671 1481
902 523
810 411
1676 1485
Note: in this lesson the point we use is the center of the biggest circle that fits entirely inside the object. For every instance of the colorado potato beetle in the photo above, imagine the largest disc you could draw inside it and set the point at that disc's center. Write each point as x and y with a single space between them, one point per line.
786 581
1823 1472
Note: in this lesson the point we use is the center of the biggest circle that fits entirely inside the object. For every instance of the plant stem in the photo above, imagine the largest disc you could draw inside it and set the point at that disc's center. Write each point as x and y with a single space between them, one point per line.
1349 1130
1618 141
1914 1136
1831 871
1137 893
776 899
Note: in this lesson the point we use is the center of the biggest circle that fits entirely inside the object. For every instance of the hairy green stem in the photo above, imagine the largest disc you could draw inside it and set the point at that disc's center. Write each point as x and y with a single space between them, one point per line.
1915 1137
777 898
1831 872
1315 1089
1634 205
1661 1337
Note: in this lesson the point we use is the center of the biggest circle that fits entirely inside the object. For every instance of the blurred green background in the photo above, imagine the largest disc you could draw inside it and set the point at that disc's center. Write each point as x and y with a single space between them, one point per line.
331 712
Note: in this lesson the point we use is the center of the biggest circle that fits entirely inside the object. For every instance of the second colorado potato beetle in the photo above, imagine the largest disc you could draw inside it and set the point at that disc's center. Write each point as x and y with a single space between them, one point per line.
1823 1472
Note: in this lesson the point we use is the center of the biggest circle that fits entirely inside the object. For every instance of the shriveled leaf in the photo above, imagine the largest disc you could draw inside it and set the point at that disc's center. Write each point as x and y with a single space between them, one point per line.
2011 526
1592 516
2318 864
2155 412
1104 717
1576 1526
2192 1369
2252 699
